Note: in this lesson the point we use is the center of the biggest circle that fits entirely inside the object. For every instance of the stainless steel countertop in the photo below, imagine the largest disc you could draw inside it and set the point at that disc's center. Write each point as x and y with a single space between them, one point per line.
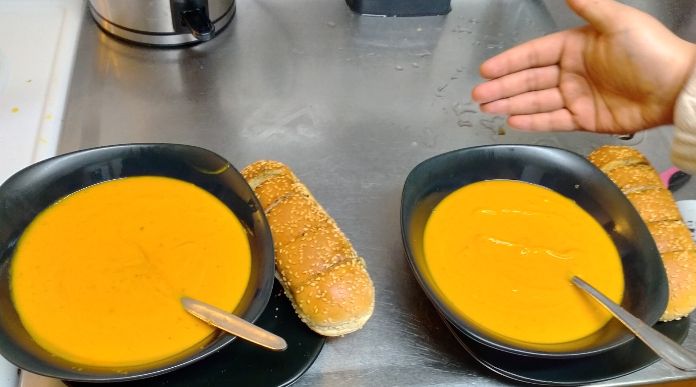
351 103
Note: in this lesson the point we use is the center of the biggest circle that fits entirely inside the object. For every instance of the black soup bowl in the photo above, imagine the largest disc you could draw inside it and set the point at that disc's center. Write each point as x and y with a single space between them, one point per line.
572 176
33 189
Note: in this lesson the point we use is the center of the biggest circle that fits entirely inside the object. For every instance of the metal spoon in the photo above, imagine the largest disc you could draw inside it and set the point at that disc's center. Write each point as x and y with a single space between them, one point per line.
662 345
233 324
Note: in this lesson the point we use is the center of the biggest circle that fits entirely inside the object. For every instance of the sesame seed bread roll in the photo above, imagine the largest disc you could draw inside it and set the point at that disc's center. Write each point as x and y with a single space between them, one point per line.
292 216
639 181
332 300
276 187
682 295
671 236
260 171
316 252
635 178
609 157
322 275
655 205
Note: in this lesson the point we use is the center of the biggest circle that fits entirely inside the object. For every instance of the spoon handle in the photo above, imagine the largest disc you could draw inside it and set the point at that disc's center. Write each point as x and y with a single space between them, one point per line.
662 345
234 325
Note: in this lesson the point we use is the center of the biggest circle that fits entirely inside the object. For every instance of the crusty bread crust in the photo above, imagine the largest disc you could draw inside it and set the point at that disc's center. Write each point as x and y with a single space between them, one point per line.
682 297
609 157
322 275
671 236
639 181
655 205
635 178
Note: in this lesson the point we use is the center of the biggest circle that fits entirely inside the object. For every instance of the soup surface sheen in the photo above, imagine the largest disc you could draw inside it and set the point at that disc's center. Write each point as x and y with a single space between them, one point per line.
98 276
502 253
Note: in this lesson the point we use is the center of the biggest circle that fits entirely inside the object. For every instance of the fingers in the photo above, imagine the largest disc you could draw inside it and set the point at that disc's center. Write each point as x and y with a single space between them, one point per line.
527 103
600 14
545 51
517 83
558 120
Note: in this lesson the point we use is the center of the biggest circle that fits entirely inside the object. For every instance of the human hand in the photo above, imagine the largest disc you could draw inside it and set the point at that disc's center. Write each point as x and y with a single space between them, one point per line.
620 74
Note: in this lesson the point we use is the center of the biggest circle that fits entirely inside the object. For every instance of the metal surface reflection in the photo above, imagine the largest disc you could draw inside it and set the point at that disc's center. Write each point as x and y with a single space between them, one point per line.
352 104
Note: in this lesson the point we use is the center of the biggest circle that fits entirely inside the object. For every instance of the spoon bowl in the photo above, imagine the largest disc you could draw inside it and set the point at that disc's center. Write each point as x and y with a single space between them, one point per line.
234 325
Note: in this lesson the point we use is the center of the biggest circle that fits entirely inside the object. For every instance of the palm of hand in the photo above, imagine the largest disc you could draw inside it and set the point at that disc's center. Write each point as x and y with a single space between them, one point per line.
603 86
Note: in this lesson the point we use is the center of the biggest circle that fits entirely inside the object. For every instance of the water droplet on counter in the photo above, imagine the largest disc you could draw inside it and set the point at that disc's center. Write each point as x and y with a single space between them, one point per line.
331 24
399 68
429 138
464 123
460 29
494 124
419 29
461 109
415 65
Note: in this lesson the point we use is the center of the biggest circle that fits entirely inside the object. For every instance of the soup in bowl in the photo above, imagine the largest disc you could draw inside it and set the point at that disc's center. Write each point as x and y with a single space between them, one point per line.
502 252
98 247
494 234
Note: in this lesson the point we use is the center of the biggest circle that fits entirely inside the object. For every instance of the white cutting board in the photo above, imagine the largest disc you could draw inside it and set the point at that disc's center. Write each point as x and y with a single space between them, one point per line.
8 374
37 49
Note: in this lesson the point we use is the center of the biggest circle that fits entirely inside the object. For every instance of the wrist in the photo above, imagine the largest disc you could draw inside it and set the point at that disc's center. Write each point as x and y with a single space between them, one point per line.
671 78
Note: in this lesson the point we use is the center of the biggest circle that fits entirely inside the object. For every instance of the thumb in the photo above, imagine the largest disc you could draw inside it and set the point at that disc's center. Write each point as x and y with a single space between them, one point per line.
600 14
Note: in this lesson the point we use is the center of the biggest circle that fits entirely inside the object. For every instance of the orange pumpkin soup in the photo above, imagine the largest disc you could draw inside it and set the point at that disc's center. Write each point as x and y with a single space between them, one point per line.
97 277
502 253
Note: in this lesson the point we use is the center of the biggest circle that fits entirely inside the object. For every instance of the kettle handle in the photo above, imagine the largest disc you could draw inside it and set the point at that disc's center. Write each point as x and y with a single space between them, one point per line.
199 23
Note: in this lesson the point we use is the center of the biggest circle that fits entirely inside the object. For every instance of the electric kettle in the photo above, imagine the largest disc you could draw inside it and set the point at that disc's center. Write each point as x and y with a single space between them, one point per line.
163 22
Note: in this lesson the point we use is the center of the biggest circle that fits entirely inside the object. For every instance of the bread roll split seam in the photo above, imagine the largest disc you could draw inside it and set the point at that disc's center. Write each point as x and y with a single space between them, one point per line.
322 275
637 179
